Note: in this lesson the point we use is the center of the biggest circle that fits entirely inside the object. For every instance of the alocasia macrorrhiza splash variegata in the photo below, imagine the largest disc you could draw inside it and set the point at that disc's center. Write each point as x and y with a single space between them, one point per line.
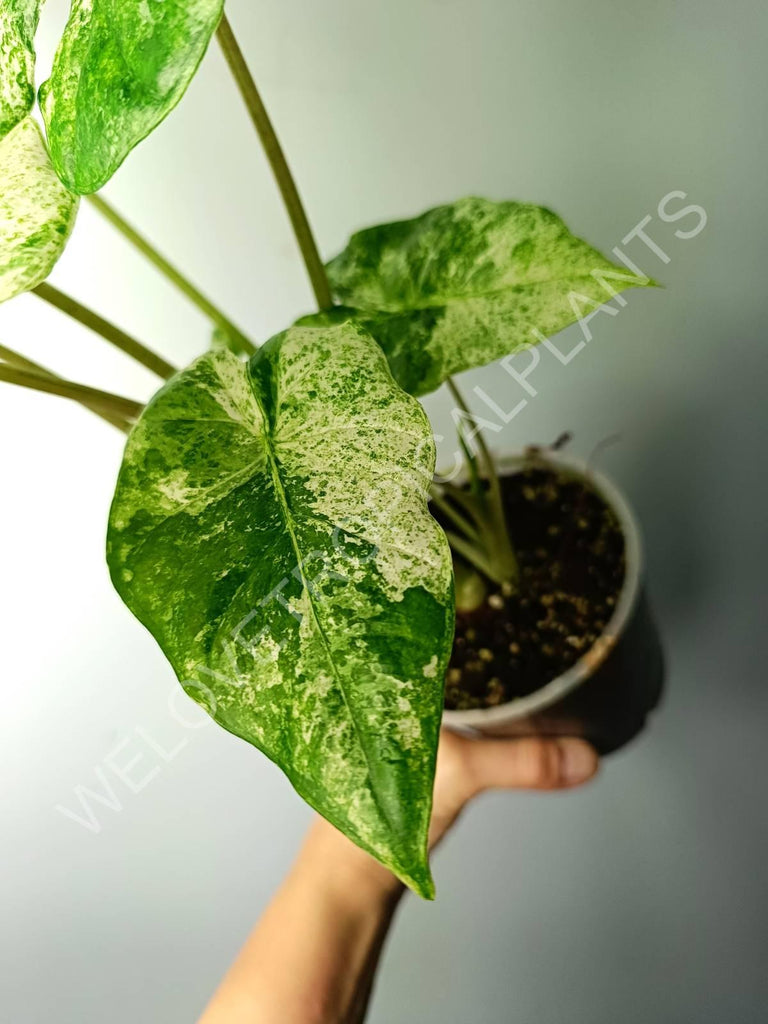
121 67
270 524
270 528
18 23
468 283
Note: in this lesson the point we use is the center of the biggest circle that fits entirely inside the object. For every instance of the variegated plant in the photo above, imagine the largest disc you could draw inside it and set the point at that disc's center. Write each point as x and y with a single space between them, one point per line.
270 524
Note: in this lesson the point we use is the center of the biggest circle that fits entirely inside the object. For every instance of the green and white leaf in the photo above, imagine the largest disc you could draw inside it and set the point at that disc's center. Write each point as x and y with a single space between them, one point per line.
120 68
270 528
18 24
37 213
467 283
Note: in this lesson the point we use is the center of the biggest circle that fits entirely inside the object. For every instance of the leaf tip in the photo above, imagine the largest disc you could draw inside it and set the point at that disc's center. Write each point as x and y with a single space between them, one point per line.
420 883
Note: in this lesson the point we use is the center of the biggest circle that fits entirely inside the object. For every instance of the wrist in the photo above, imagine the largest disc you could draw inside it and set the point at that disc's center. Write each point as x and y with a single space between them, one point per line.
346 870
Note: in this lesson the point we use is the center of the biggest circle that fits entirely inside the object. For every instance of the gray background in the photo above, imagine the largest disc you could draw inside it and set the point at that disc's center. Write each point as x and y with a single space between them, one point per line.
641 899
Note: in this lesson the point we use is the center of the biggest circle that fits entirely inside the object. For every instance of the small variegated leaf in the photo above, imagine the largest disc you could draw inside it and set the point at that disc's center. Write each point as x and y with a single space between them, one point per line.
37 213
18 24
465 284
270 528
119 70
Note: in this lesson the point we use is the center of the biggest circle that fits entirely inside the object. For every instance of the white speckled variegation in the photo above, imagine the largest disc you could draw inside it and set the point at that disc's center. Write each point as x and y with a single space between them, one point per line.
18 24
468 283
270 528
37 213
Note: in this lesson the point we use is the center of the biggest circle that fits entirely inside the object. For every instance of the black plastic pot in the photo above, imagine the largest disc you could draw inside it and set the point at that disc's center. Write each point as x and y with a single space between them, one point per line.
608 693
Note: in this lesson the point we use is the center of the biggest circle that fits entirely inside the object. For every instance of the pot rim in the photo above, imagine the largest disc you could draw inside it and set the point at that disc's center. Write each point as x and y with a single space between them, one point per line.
592 659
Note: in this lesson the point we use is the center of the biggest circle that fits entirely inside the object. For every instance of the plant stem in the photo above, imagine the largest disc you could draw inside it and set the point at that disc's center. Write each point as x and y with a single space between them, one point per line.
470 458
471 554
285 182
504 553
21 362
113 334
487 459
454 515
173 275
103 400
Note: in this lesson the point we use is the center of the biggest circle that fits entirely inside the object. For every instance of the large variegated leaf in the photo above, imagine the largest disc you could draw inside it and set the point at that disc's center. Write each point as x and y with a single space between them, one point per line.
37 212
120 68
18 24
468 283
270 528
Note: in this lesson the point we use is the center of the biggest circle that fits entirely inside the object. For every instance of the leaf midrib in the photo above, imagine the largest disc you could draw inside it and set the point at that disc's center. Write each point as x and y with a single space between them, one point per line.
440 302
287 515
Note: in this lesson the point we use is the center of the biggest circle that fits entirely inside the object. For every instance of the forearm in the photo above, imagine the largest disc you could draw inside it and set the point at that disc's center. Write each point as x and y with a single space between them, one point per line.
312 957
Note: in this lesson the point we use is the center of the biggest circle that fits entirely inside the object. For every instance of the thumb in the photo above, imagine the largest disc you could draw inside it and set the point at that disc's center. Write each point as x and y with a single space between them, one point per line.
530 763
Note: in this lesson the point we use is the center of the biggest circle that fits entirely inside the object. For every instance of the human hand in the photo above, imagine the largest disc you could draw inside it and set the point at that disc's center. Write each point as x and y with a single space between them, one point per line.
467 766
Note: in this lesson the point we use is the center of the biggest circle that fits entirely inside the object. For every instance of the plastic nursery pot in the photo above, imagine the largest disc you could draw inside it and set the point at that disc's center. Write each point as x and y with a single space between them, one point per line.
607 694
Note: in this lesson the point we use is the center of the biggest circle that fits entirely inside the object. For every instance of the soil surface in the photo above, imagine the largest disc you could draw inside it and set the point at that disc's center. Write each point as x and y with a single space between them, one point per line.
570 550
